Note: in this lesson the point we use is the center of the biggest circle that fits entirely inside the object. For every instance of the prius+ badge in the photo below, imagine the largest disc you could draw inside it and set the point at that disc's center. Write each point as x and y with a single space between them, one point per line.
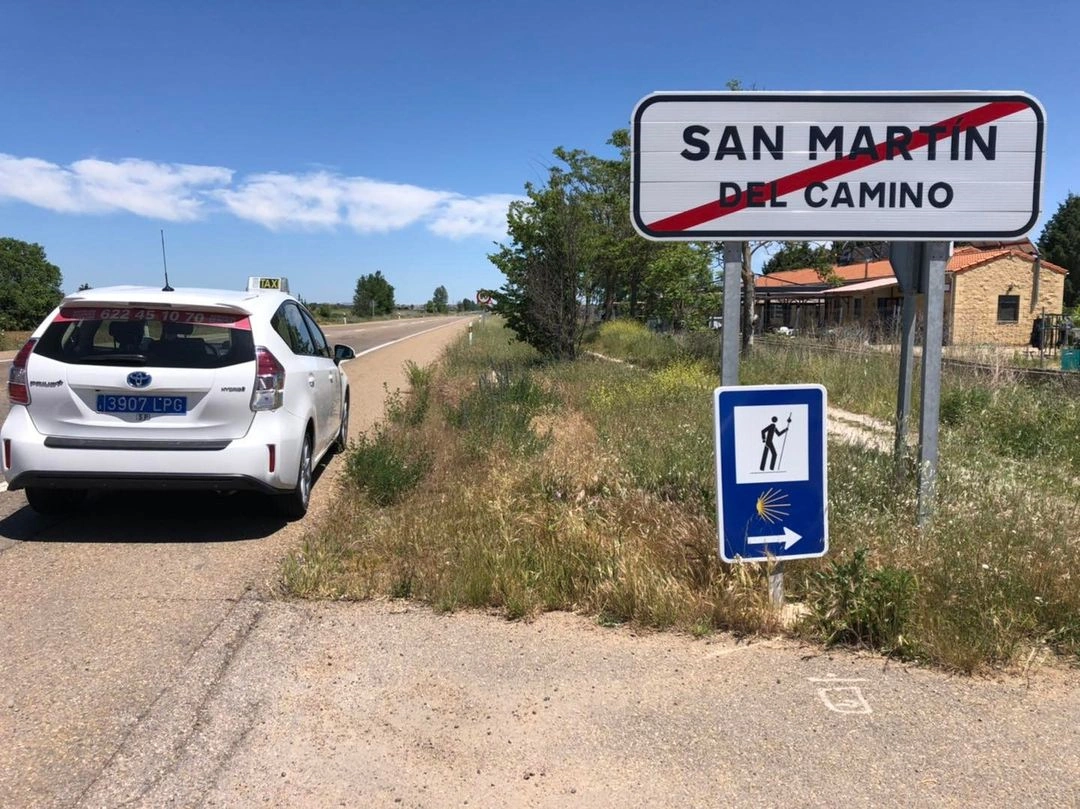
138 379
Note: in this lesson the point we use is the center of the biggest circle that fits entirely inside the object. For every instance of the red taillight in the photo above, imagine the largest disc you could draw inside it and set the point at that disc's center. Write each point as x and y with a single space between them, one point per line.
273 458
269 381
18 389
7 453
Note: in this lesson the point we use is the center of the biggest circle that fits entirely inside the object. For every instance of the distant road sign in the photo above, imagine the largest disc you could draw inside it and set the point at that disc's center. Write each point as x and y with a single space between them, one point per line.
771 475
899 166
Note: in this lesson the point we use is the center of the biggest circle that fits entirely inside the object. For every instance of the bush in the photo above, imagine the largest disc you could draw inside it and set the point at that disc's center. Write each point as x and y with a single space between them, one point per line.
852 604
409 409
499 409
380 467
961 404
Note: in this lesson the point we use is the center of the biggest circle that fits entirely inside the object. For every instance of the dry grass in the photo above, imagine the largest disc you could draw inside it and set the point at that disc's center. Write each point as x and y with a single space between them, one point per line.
589 487
524 526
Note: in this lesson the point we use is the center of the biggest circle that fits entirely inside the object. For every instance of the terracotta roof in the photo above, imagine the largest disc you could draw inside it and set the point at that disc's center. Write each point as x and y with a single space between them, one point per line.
968 258
810 277
964 258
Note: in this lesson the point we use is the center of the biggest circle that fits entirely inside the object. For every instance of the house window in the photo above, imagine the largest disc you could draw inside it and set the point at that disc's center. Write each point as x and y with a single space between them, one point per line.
1008 309
856 308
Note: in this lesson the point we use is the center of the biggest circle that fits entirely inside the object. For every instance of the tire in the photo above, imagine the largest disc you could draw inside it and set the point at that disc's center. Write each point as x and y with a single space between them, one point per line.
294 505
341 443
54 502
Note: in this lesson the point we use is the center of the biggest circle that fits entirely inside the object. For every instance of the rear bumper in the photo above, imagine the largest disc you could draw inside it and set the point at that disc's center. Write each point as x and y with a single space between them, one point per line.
156 482
240 464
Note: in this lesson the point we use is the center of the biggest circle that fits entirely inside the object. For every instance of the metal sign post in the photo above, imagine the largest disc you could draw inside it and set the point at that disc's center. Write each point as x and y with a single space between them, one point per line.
906 260
935 257
729 329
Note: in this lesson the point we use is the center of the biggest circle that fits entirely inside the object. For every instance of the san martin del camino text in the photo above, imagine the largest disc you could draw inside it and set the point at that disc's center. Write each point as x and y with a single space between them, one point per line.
900 141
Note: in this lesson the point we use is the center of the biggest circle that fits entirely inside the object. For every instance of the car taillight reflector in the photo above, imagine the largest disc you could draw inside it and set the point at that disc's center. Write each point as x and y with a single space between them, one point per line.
269 385
273 458
7 453
18 389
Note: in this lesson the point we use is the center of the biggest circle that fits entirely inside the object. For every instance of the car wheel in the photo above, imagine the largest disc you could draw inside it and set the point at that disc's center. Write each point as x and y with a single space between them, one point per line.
341 443
54 501
294 505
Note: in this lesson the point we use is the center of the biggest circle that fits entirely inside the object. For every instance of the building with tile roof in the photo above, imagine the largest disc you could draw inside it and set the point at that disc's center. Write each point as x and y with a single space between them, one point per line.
994 291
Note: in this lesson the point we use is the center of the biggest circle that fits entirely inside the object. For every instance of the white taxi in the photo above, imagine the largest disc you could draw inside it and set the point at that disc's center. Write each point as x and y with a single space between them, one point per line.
141 388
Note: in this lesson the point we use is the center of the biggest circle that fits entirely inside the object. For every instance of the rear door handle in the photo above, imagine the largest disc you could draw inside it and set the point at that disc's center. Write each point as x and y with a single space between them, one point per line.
311 381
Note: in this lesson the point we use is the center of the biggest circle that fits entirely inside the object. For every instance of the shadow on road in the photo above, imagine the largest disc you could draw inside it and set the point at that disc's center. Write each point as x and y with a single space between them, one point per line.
151 517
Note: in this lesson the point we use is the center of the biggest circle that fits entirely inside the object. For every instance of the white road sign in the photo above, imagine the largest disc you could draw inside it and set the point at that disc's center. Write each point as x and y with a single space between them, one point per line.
898 166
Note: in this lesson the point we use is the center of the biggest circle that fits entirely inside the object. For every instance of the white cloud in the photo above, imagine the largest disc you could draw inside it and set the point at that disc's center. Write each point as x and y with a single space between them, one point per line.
278 201
37 182
374 206
476 216
285 200
159 190
324 200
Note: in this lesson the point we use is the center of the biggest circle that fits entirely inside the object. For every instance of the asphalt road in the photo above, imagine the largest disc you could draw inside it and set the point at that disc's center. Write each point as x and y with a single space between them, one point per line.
104 612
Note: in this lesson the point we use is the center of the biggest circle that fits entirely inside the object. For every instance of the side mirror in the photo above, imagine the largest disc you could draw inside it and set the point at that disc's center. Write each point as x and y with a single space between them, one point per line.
343 352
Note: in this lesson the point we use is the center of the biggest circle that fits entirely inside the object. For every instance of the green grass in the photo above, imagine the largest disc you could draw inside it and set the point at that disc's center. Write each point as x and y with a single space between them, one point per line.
589 486
633 342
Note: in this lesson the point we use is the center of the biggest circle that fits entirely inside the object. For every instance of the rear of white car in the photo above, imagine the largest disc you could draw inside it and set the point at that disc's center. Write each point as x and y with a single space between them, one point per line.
143 389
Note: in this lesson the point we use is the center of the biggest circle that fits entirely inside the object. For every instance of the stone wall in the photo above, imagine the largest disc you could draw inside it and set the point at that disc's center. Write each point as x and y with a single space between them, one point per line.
975 304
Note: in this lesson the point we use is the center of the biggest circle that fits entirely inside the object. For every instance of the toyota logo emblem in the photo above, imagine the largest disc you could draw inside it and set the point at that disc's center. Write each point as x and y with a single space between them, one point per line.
138 379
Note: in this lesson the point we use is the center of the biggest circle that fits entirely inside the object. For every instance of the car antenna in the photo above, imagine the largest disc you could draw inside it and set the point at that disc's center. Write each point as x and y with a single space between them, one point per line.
165 263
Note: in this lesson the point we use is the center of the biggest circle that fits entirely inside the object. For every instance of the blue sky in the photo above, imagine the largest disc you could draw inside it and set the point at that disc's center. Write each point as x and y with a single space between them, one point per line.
326 140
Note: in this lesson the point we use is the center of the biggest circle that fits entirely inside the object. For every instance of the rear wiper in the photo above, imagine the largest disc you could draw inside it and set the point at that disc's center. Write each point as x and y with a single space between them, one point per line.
113 359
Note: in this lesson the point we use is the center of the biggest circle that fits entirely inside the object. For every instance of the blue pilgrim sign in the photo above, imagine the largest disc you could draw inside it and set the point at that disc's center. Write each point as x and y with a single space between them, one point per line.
772 498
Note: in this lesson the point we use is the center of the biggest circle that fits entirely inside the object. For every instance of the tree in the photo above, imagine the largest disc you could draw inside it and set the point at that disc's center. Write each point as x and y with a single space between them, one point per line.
468 305
374 296
552 246
29 284
799 255
83 287
1060 244
438 302
679 285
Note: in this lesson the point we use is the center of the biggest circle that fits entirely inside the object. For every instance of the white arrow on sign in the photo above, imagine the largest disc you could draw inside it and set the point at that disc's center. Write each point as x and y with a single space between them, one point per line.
789 538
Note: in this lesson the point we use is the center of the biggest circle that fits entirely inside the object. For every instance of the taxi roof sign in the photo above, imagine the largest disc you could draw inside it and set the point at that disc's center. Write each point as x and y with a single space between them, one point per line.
258 282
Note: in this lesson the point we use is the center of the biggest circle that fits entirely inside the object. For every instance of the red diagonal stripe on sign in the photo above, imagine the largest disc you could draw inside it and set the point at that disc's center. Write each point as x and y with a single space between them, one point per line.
837 167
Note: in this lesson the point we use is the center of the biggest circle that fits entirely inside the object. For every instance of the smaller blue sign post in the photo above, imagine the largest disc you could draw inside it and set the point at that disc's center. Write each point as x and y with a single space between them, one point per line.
771 477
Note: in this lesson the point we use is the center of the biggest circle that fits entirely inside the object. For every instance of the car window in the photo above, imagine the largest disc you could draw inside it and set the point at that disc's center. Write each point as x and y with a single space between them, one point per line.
289 323
142 336
322 348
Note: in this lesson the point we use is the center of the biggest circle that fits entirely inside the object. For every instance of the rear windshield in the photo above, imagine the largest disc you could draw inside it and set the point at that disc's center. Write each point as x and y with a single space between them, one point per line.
161 338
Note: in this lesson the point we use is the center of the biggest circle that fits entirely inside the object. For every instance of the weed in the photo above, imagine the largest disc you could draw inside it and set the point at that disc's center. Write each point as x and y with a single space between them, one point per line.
499 409
381 468
852 604
634 342
962 404
410 408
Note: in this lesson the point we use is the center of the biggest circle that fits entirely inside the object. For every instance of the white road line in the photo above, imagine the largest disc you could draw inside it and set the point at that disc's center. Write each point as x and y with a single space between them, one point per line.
403 339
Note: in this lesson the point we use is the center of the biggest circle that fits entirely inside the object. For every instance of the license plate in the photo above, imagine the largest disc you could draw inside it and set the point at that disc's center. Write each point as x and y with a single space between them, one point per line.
150 405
